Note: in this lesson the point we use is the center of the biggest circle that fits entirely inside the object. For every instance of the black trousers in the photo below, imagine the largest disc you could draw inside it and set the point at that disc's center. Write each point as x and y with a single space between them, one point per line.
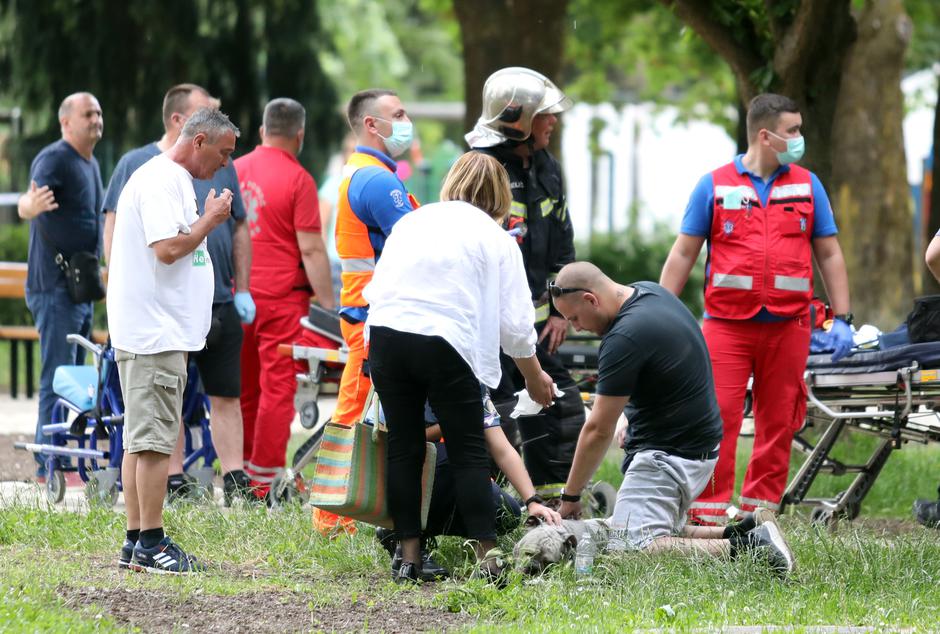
407 370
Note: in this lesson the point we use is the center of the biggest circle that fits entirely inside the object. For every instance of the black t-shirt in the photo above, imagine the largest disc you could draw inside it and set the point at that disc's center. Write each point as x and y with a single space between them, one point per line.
654 352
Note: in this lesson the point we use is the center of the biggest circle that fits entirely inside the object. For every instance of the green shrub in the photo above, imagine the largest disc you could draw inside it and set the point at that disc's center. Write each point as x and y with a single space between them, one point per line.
14 246
633 257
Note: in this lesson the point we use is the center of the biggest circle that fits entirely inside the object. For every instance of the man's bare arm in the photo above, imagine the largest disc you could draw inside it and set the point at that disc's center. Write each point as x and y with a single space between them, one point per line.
831 264
317 267
218 209
680 261
241 255
594 441
109 217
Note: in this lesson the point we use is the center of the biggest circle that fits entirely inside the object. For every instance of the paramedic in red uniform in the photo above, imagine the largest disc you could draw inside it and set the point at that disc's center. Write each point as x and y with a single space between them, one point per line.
371 200
288 260
765 219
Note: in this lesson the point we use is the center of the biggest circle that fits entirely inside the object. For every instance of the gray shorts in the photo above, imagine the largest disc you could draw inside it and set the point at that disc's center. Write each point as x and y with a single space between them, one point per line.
654 499
152 386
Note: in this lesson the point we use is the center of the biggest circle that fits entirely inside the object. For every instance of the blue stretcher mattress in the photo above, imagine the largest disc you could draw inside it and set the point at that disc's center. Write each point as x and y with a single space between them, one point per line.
927 355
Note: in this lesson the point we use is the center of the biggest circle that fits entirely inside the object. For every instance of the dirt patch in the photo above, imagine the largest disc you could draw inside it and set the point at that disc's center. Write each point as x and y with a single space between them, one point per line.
16 464
256 611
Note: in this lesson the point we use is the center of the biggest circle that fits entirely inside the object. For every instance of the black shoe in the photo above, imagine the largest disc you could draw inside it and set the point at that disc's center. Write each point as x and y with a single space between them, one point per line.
127 553
927 512
406 573
430 569
179 487
387 539
166 558
236 485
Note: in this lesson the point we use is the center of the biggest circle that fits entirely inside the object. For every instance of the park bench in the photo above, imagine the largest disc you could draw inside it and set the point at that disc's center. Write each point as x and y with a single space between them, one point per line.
13 286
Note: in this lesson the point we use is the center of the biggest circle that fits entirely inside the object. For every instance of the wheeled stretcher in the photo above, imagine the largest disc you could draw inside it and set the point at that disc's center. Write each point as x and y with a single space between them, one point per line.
891 394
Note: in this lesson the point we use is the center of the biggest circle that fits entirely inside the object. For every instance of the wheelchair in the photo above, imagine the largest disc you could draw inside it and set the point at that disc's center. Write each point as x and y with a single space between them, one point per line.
87 427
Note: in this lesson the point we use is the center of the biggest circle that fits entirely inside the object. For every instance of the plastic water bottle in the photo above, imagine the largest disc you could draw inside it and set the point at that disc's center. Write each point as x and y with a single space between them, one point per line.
584 555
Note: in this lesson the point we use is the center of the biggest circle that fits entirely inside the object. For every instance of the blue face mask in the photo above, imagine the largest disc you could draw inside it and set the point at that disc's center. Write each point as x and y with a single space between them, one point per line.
398 142
795 148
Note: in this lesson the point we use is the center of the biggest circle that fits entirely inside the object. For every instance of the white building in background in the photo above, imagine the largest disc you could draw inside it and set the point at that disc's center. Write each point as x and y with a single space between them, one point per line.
654 161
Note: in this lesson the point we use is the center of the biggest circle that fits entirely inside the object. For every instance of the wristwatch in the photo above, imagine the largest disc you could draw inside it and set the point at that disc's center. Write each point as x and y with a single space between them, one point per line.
535 498
565 497
848 318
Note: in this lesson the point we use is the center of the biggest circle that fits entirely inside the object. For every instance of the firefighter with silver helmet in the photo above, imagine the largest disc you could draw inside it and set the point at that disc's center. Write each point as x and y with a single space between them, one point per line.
519 115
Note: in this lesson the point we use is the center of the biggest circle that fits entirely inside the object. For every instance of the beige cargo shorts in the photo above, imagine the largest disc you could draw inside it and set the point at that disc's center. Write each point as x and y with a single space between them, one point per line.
152 387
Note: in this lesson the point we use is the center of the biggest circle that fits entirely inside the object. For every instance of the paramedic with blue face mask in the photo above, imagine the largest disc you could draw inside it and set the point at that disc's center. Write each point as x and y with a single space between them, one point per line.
764 219
372 198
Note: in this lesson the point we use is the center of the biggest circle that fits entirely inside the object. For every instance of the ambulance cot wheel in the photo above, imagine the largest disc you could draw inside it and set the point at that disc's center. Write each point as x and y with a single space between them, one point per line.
309 414
55 487
602 498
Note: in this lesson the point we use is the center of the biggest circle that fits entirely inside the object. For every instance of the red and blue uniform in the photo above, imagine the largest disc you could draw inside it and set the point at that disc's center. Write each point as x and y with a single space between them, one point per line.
759 282
371 200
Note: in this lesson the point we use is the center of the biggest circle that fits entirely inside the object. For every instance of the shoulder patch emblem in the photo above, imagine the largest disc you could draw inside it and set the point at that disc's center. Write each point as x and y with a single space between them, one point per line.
397 197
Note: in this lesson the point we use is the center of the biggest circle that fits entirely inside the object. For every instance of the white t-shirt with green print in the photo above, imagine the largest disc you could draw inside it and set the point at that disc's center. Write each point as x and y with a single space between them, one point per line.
155 307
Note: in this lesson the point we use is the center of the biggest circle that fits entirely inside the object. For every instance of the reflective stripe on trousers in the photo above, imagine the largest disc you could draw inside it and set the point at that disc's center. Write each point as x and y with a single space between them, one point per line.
357 265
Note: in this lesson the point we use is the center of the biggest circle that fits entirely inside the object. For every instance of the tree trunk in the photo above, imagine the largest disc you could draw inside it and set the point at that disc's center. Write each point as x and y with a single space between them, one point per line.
500 33
868 187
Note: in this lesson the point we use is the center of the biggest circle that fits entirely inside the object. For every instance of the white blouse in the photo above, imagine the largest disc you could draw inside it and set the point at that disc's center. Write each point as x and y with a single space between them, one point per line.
449 270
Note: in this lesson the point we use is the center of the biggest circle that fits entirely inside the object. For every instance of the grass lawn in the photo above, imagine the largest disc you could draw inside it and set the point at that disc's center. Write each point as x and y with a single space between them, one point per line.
270 573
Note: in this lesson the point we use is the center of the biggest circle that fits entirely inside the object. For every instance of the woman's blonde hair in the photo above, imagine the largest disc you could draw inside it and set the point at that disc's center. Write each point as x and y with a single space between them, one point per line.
480 180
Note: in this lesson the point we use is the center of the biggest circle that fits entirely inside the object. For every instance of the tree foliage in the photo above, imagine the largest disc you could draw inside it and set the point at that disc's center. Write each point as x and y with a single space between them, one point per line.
128 54
637 50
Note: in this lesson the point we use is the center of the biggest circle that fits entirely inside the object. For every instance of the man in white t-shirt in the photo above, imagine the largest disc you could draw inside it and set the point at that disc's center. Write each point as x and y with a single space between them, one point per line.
159 309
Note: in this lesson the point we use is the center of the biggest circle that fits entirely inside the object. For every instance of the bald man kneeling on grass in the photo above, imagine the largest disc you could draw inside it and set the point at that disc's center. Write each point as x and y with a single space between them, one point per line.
653 366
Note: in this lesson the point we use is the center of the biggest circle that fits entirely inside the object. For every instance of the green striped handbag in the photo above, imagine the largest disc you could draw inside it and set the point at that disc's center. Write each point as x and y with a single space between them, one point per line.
350 476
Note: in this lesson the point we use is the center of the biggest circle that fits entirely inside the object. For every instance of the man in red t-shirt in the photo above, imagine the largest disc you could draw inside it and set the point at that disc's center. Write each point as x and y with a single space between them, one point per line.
288 261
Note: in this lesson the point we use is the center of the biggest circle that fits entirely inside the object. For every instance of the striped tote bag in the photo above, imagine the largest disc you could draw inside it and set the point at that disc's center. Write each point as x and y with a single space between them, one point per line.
350 476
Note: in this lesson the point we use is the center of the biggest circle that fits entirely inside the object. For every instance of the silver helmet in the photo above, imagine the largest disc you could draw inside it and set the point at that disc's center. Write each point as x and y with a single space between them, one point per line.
512 97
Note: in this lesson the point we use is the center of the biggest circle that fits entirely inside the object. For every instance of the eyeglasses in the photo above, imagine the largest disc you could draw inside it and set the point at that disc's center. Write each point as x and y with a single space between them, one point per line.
558 291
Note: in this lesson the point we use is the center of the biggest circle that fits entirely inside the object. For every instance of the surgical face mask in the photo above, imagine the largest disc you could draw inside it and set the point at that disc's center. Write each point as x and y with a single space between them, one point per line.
794 152
398 142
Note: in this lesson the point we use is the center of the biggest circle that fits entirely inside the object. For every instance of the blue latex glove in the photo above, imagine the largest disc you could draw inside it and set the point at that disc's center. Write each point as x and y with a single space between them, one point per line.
840 336
245 306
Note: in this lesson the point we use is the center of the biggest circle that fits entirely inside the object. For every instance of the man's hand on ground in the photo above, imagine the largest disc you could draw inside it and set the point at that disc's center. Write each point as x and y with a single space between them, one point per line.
554 332
218 208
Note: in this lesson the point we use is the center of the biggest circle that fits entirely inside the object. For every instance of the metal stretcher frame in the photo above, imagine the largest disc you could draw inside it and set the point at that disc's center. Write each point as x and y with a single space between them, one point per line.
897 406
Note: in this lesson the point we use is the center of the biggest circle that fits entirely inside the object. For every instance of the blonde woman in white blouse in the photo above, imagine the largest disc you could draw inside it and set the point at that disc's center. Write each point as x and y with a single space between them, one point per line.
449 291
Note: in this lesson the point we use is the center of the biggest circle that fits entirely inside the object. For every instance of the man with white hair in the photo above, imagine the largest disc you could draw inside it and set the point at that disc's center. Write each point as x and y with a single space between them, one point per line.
230 249
63 204
159 310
